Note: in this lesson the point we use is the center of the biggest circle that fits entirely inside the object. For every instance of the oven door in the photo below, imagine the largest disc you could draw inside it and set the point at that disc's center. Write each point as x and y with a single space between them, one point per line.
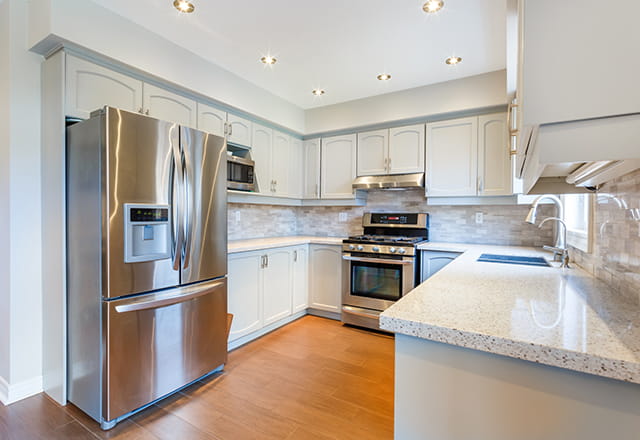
376 283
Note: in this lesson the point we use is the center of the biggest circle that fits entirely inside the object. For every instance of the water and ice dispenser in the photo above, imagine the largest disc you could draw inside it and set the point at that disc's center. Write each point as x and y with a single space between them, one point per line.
147 234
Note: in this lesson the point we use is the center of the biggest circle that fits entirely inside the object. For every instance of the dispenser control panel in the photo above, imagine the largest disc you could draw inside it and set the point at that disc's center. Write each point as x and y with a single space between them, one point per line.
147 234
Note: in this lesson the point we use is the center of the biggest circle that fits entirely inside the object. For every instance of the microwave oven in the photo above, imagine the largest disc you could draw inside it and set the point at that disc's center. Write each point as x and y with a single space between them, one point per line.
240 173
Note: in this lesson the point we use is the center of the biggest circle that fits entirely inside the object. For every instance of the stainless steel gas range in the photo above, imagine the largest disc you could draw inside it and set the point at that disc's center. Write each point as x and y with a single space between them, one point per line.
383 264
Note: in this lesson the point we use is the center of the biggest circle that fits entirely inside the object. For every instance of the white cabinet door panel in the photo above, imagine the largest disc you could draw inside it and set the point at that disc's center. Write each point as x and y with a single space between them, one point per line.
240 130
211 120
277 286
494 160
300 271
338 164
325 281
261 155
406 149
280 163
373 150
296 169
168 106
452 157
90 87
245 293
312 169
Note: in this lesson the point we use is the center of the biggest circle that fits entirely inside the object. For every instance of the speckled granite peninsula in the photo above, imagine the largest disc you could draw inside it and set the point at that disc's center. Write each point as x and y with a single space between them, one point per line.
562 318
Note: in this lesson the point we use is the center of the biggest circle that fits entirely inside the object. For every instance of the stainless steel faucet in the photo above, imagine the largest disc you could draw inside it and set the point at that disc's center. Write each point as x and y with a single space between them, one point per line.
559 249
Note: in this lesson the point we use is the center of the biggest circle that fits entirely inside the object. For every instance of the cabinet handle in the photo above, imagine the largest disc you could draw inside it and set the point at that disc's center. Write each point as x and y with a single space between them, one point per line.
146 112
480 185
225 129
513 132
317 191
266 261
295 256
230 129
389 165
141 111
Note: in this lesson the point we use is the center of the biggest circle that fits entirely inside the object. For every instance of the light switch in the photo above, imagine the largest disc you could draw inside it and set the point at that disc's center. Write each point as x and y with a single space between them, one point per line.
479 218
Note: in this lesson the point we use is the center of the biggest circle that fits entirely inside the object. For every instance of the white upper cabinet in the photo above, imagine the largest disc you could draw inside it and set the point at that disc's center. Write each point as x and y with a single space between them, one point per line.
261 155
280 164
300 282
338 167
577 60
239 130
373 153
494 158
296 169
311 169
277 285
162 104
212 120
406 150
90 87
452 157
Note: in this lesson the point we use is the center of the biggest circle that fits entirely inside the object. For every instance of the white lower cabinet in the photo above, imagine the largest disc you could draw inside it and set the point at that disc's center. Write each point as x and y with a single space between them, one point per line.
266 287
276 285
300 273
244 296
325 277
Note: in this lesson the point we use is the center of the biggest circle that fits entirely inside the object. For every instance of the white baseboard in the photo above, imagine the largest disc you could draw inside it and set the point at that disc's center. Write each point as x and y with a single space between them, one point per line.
4 391
12 393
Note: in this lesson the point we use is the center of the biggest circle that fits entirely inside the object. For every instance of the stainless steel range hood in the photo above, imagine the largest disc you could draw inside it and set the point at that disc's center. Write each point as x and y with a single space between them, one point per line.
390 181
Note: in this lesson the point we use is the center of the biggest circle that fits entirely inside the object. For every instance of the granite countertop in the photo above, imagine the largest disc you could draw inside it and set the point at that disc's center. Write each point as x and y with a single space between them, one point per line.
255 244
559 317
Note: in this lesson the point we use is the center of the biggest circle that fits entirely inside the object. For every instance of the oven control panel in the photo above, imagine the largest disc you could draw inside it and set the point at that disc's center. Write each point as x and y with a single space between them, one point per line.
405 251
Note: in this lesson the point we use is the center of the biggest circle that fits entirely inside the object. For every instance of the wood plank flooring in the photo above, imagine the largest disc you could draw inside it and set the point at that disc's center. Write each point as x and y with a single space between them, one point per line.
312 379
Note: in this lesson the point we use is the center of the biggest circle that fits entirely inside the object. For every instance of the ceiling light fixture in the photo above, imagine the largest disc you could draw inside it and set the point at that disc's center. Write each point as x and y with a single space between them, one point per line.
384 77
432 6
452 61
268 60
184 6
318 92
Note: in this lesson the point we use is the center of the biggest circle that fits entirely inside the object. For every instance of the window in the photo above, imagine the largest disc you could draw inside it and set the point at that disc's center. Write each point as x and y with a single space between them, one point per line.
577 216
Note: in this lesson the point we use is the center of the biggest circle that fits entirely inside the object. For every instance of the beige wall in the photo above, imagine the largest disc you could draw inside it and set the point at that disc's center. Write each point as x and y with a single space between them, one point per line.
20 227
4 190
615 258
470 93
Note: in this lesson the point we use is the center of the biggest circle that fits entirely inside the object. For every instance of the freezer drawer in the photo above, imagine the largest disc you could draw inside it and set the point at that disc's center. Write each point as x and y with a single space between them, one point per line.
157 343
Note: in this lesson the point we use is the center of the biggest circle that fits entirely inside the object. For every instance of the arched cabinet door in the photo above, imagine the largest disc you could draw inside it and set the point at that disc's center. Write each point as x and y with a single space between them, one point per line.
212 120
90 87
162 104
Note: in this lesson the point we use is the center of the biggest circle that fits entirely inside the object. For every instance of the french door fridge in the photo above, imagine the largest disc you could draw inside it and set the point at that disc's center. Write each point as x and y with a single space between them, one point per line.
146 260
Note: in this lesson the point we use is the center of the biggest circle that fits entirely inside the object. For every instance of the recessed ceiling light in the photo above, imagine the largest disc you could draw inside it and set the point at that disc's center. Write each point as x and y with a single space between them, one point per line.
384 77
432 6
268 60
184 6
318 92
452 61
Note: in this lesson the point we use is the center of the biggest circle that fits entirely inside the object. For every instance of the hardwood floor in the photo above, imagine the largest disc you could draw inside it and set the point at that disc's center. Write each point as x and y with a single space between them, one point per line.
312 379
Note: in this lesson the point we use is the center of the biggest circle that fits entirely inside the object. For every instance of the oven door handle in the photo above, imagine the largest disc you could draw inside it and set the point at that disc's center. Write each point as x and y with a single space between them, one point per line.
377 260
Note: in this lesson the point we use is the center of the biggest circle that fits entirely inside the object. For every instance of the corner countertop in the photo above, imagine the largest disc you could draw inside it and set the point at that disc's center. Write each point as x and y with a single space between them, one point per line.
256 244
559 317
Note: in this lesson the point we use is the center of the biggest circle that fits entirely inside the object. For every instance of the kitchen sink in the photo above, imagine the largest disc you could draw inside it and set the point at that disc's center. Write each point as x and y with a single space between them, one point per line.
514 259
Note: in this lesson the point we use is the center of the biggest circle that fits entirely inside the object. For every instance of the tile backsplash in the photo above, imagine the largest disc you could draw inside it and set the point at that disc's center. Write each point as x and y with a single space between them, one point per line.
503 224
615 256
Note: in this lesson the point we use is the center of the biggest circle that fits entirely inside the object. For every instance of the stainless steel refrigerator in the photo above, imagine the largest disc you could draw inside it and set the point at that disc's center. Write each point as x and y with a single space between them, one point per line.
147 260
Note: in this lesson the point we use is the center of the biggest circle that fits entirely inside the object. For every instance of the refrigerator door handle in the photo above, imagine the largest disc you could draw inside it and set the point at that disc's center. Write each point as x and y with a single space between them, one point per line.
177 196
189 187
167 299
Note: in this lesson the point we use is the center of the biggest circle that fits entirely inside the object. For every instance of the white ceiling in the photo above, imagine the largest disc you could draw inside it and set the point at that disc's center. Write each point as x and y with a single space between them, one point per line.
338 45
